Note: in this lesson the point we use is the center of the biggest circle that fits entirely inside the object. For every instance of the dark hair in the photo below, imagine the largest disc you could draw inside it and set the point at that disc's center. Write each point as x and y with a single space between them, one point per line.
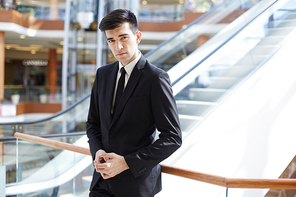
116 18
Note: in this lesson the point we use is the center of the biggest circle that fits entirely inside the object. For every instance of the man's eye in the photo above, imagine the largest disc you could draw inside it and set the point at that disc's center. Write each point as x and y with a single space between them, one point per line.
110 41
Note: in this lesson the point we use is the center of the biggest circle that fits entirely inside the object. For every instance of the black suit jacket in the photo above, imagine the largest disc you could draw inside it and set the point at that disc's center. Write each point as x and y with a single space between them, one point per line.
147 104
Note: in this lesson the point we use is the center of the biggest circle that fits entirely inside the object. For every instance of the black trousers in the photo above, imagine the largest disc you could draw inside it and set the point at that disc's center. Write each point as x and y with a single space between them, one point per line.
102 189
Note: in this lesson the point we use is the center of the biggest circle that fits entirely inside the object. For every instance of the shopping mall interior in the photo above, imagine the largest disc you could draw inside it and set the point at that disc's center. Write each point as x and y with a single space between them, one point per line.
230 63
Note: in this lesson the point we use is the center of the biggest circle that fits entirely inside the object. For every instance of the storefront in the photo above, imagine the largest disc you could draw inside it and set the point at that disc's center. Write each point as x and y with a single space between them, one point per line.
29 79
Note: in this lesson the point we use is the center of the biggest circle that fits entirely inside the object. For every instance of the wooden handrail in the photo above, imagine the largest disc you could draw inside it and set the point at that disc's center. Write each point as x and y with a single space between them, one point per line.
207 178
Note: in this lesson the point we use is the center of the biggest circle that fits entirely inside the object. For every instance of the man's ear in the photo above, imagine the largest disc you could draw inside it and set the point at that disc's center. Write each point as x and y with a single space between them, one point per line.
138 37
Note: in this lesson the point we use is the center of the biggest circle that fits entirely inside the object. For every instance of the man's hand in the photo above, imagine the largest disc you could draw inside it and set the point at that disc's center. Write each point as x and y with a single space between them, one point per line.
99 157
109 164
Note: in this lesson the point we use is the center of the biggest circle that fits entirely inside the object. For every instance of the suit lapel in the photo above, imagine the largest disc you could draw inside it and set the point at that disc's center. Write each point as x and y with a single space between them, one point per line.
132 82
111 80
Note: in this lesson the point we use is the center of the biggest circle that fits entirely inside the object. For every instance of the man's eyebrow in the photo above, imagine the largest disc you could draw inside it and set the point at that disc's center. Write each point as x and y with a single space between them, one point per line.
121 35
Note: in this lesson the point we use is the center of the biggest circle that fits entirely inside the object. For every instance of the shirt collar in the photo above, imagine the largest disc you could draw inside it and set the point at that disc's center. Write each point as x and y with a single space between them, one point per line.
129 68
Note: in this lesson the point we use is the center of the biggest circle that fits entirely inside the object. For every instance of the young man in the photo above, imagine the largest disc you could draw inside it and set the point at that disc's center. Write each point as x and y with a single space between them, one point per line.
126 108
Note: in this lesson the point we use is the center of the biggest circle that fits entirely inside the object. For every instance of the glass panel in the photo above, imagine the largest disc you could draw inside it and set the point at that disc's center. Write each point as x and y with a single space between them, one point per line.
202 89
8 159
28 93
71 121
42 11
179 186
261 192
35 169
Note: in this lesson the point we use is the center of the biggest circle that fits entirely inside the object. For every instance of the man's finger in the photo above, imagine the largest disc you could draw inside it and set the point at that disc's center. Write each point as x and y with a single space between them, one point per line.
102 165
108 156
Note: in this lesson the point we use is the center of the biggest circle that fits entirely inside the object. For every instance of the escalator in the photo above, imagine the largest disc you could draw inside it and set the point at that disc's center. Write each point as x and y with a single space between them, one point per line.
201 82
206 84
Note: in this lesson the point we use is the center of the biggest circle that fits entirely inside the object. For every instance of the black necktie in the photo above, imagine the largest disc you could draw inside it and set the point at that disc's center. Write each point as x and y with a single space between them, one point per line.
120 88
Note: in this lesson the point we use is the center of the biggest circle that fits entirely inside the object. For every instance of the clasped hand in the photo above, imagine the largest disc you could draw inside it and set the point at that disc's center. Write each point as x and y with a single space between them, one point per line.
109 164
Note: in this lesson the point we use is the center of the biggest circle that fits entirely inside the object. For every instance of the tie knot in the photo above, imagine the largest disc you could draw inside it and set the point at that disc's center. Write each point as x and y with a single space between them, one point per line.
122 71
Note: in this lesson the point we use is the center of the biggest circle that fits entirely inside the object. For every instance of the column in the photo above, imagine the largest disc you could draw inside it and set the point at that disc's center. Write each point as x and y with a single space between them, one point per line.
54 10
2 65
2 180
2 73
1 148
52 72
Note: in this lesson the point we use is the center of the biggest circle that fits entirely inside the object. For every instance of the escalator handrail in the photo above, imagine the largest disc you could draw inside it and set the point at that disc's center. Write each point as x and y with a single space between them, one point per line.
182 30
50 117
221 45
282 183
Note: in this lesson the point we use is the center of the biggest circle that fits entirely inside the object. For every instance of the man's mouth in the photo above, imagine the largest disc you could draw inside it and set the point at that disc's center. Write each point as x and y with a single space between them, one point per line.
120 54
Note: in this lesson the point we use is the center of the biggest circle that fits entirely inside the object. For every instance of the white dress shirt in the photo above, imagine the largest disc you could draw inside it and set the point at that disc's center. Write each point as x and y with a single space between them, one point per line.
128 68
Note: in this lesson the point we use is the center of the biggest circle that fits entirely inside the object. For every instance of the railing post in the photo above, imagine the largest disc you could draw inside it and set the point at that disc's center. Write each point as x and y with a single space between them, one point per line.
226 191
2 180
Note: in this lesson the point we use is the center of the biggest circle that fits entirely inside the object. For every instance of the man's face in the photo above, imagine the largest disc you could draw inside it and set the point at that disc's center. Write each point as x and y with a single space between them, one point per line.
123 43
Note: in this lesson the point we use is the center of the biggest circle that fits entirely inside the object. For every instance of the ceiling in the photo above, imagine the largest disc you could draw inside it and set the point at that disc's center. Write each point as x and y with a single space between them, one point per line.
43 40
143 2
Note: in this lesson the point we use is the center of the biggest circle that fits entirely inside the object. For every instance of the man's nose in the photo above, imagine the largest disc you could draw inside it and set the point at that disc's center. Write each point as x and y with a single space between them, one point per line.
118 45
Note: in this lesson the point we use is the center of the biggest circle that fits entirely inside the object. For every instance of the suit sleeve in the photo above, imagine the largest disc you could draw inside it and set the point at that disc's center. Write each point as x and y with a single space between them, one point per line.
167 123
93 124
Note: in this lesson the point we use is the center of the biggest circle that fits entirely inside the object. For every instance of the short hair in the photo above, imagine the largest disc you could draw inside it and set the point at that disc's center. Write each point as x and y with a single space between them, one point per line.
116 18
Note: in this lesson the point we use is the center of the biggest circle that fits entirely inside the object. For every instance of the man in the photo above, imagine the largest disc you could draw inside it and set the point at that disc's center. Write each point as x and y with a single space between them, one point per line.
121 131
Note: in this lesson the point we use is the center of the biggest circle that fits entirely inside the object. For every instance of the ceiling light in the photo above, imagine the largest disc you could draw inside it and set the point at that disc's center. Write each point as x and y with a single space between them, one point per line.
33 52
62 43
79 39
144 2
11 46
60 51
188 40
181 1
36 45
22 36
20 48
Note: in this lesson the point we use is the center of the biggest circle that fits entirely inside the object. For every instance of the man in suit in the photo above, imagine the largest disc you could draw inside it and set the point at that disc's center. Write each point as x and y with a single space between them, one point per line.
126 108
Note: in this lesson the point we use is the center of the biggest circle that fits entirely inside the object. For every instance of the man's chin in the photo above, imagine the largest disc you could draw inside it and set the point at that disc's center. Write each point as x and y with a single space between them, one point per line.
122 59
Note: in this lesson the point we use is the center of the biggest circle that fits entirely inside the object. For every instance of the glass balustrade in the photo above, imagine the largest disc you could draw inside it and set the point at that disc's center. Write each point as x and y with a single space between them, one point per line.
72 120
261 192
37 170
32 169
